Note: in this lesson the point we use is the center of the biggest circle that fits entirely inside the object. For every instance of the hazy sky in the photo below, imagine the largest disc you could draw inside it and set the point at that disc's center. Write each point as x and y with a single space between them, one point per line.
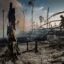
56 5
40 9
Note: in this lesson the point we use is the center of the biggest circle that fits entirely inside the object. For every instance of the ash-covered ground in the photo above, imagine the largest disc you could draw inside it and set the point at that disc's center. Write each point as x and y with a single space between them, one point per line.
47 54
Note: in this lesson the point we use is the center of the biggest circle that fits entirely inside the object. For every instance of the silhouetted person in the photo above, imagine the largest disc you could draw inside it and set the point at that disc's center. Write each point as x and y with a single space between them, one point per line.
13 18
62 22
10 32
11 15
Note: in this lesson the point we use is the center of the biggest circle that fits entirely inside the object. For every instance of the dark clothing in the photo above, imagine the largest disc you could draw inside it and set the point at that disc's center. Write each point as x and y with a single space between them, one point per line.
11 17
10 34
9 30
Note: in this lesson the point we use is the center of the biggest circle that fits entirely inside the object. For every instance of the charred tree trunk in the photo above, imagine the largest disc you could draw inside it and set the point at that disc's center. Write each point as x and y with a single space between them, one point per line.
27 46
36 46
